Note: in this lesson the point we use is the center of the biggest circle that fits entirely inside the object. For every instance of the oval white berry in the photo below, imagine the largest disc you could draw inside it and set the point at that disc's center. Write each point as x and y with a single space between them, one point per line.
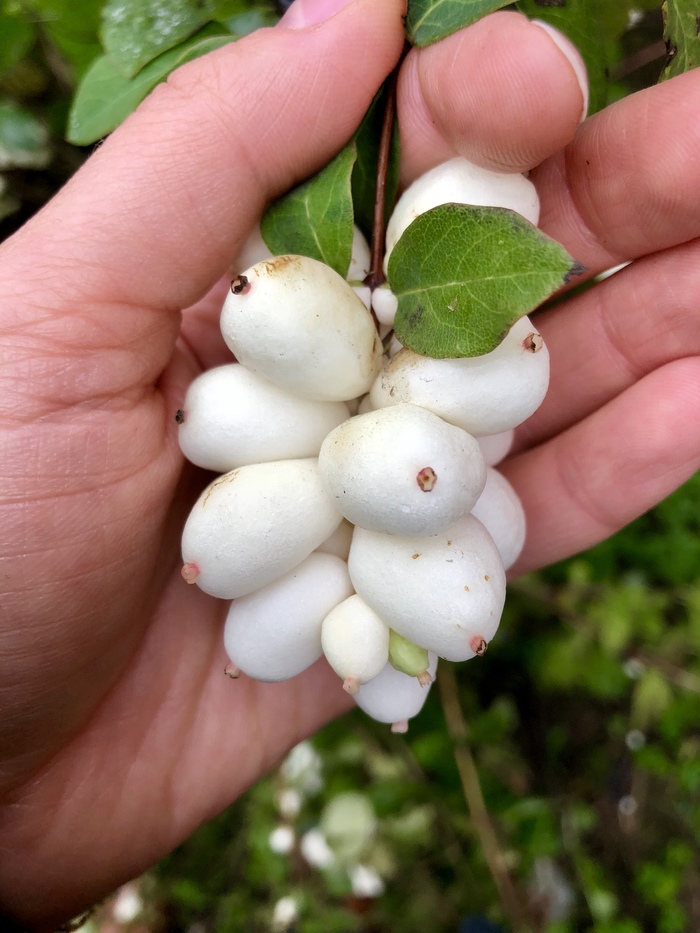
393 697
445 592
299 324
275 633
501 512
339 542
385 305
360 259
355 642
461 182
496 447
481 394
232 417
402 471
255 524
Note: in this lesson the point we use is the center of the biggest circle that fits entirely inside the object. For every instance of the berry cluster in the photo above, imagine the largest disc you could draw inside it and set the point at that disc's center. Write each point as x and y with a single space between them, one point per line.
358 514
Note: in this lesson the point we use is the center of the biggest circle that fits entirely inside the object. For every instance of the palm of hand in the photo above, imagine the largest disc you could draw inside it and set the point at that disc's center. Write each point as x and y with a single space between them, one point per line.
121 722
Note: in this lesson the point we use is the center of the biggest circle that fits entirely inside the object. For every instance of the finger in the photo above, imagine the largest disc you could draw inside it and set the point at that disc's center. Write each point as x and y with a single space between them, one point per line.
606 339
627 184
159 210
501 93
587 483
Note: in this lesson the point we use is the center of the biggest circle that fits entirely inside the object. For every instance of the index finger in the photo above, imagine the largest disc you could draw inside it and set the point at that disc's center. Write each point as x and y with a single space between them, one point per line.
159 210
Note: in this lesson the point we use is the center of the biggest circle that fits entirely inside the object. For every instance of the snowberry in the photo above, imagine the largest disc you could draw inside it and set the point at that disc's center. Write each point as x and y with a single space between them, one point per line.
481 394
496 447
460 182
299 324
339 542
402 470
444 592
385 304
232 417
501 512
394 697
355 642
275 633
255 524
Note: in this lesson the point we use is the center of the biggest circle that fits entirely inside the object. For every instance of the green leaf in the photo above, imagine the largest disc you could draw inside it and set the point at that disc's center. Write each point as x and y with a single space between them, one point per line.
24 139
315 219
364 176
463 275
580 21
682 36
134 32
16 37
428 21
105 98
652 696
72 26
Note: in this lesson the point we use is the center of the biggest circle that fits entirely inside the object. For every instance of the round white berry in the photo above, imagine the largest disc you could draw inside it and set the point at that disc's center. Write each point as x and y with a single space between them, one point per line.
232 417
481 394
501 512
444 593
299 324
460 182
255 524
402 470
275 633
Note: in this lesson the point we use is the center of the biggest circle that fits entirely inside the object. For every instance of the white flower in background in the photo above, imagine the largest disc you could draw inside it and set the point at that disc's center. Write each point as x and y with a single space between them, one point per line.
302 769
281 840
128 904
289 802
316 850
365 881
551 890
284 914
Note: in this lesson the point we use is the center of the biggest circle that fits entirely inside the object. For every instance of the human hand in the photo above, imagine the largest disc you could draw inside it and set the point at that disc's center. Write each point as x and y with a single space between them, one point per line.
120 733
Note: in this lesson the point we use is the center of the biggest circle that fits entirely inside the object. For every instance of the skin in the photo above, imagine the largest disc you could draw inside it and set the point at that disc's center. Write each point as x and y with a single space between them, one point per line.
120 733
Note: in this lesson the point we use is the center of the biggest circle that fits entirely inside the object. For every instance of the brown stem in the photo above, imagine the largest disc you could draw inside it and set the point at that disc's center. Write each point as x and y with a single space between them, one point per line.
376 275
476 805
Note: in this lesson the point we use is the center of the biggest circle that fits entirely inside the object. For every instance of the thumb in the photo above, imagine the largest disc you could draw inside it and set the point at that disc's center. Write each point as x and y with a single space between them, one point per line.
156 214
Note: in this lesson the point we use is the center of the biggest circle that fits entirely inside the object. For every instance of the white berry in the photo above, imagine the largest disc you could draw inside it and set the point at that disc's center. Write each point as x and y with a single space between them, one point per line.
444 593
299 324
461 182
355 642
402 470
482 394
275 633
255 524
232 417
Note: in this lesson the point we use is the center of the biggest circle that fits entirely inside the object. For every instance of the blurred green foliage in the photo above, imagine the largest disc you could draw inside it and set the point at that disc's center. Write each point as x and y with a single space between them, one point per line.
584 717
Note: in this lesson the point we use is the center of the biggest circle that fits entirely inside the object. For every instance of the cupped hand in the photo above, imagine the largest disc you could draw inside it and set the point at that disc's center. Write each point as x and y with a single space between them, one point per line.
120 733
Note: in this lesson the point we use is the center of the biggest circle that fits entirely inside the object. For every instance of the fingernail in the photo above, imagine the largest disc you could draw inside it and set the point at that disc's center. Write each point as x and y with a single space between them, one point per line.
573 55
311 12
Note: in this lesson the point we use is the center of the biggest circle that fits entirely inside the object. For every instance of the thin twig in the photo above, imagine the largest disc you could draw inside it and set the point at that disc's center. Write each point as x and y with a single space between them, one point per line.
471 787
376 275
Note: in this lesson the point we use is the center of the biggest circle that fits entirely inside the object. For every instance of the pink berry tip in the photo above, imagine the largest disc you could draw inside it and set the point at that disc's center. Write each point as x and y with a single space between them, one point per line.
351 685
190 573
426 479
478 644
425 679
232 671
400 727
